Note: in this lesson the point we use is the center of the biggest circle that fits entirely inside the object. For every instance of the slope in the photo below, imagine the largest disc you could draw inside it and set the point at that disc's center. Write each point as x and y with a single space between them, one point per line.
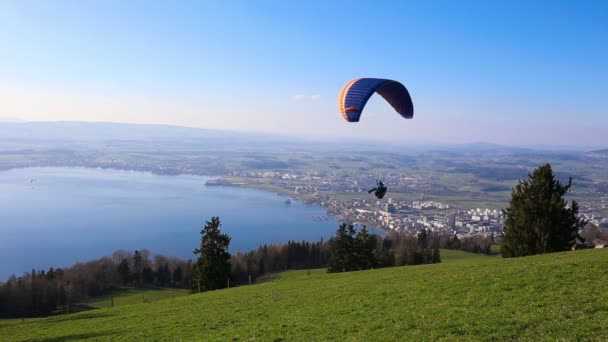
546 297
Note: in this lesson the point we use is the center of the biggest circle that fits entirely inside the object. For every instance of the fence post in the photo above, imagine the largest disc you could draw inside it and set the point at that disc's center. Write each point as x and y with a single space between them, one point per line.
112 299
250 279
142 296
228 282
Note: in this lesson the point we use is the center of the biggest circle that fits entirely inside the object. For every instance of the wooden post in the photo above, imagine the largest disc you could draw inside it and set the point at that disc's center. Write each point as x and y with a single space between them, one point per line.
308 270
112 300
228 282
250 279
142 296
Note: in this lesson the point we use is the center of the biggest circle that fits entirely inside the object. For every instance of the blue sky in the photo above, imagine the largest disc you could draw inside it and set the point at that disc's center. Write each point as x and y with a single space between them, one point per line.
516 72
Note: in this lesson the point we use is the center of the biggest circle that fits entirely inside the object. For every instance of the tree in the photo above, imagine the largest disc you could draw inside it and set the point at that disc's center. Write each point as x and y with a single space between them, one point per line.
538 219
163 274
365 247
177 275
212 269
342 249
138 268
123 271
423 241
436 256
351 250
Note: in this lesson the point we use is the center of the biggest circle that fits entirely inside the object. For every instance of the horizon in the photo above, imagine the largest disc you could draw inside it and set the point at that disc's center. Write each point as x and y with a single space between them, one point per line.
328 140
493 73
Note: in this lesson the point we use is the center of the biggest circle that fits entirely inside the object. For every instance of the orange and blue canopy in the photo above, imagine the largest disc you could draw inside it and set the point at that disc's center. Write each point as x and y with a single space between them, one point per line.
355 94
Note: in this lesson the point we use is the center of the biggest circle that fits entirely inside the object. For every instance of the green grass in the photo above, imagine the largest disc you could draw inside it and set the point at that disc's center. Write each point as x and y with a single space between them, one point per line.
128 296
550 297
450 256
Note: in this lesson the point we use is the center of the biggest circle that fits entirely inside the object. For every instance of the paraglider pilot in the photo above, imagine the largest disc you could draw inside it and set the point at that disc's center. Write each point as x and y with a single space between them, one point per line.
379 190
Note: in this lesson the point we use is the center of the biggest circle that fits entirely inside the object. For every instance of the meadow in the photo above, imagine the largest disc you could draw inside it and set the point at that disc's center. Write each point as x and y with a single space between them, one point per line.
467 297
129 296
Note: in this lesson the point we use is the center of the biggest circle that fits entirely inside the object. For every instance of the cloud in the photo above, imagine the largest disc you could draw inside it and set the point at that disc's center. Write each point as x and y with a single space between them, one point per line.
302 97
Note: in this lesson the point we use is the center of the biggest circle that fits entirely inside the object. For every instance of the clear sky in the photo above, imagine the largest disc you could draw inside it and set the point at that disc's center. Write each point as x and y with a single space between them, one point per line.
510 72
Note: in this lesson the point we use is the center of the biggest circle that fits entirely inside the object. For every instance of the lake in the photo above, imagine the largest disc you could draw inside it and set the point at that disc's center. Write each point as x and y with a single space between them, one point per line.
58 216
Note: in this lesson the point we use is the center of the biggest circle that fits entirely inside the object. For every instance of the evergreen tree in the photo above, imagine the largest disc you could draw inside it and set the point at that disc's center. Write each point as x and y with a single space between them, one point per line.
342 249
163 275
177 275
538 218
423 241
147 275
123 271
436 256
138 268
212 268
365 249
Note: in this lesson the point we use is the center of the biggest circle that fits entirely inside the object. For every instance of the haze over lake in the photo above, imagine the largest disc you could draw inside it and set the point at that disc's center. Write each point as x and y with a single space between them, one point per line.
53 217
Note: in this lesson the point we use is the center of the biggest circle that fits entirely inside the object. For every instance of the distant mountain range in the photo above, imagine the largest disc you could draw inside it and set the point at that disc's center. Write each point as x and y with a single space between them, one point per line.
484 147
67 132
103 131
72 134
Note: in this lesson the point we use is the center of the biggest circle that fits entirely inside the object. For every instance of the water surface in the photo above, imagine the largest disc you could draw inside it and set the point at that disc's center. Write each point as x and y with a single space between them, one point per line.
57 216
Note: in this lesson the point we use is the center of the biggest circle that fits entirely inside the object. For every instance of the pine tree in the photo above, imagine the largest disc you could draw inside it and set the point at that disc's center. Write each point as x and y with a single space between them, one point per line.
423 241
163 275
123 271
538 219
177 275
436 256
342 250
212 268
365 247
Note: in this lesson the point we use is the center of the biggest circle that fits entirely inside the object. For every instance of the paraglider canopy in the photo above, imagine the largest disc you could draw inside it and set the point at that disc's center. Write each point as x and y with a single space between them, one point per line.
355 94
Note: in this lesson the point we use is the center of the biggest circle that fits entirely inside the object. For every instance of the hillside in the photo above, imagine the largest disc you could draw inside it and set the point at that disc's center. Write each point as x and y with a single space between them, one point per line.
538 298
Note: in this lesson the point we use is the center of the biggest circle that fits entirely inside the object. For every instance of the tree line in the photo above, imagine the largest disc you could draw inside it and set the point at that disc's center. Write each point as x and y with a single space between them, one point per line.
349 250
268 259
41 293
352 250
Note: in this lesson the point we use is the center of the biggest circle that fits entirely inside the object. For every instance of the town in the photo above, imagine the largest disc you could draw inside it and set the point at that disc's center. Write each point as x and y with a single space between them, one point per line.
390 213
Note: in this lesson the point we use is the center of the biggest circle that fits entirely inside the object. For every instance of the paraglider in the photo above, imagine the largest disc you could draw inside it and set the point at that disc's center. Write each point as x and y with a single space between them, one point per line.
379 190
354 96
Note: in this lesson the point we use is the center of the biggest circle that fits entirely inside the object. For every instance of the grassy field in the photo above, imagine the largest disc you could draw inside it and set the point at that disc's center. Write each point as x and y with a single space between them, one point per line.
128 296
450 256
468 297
